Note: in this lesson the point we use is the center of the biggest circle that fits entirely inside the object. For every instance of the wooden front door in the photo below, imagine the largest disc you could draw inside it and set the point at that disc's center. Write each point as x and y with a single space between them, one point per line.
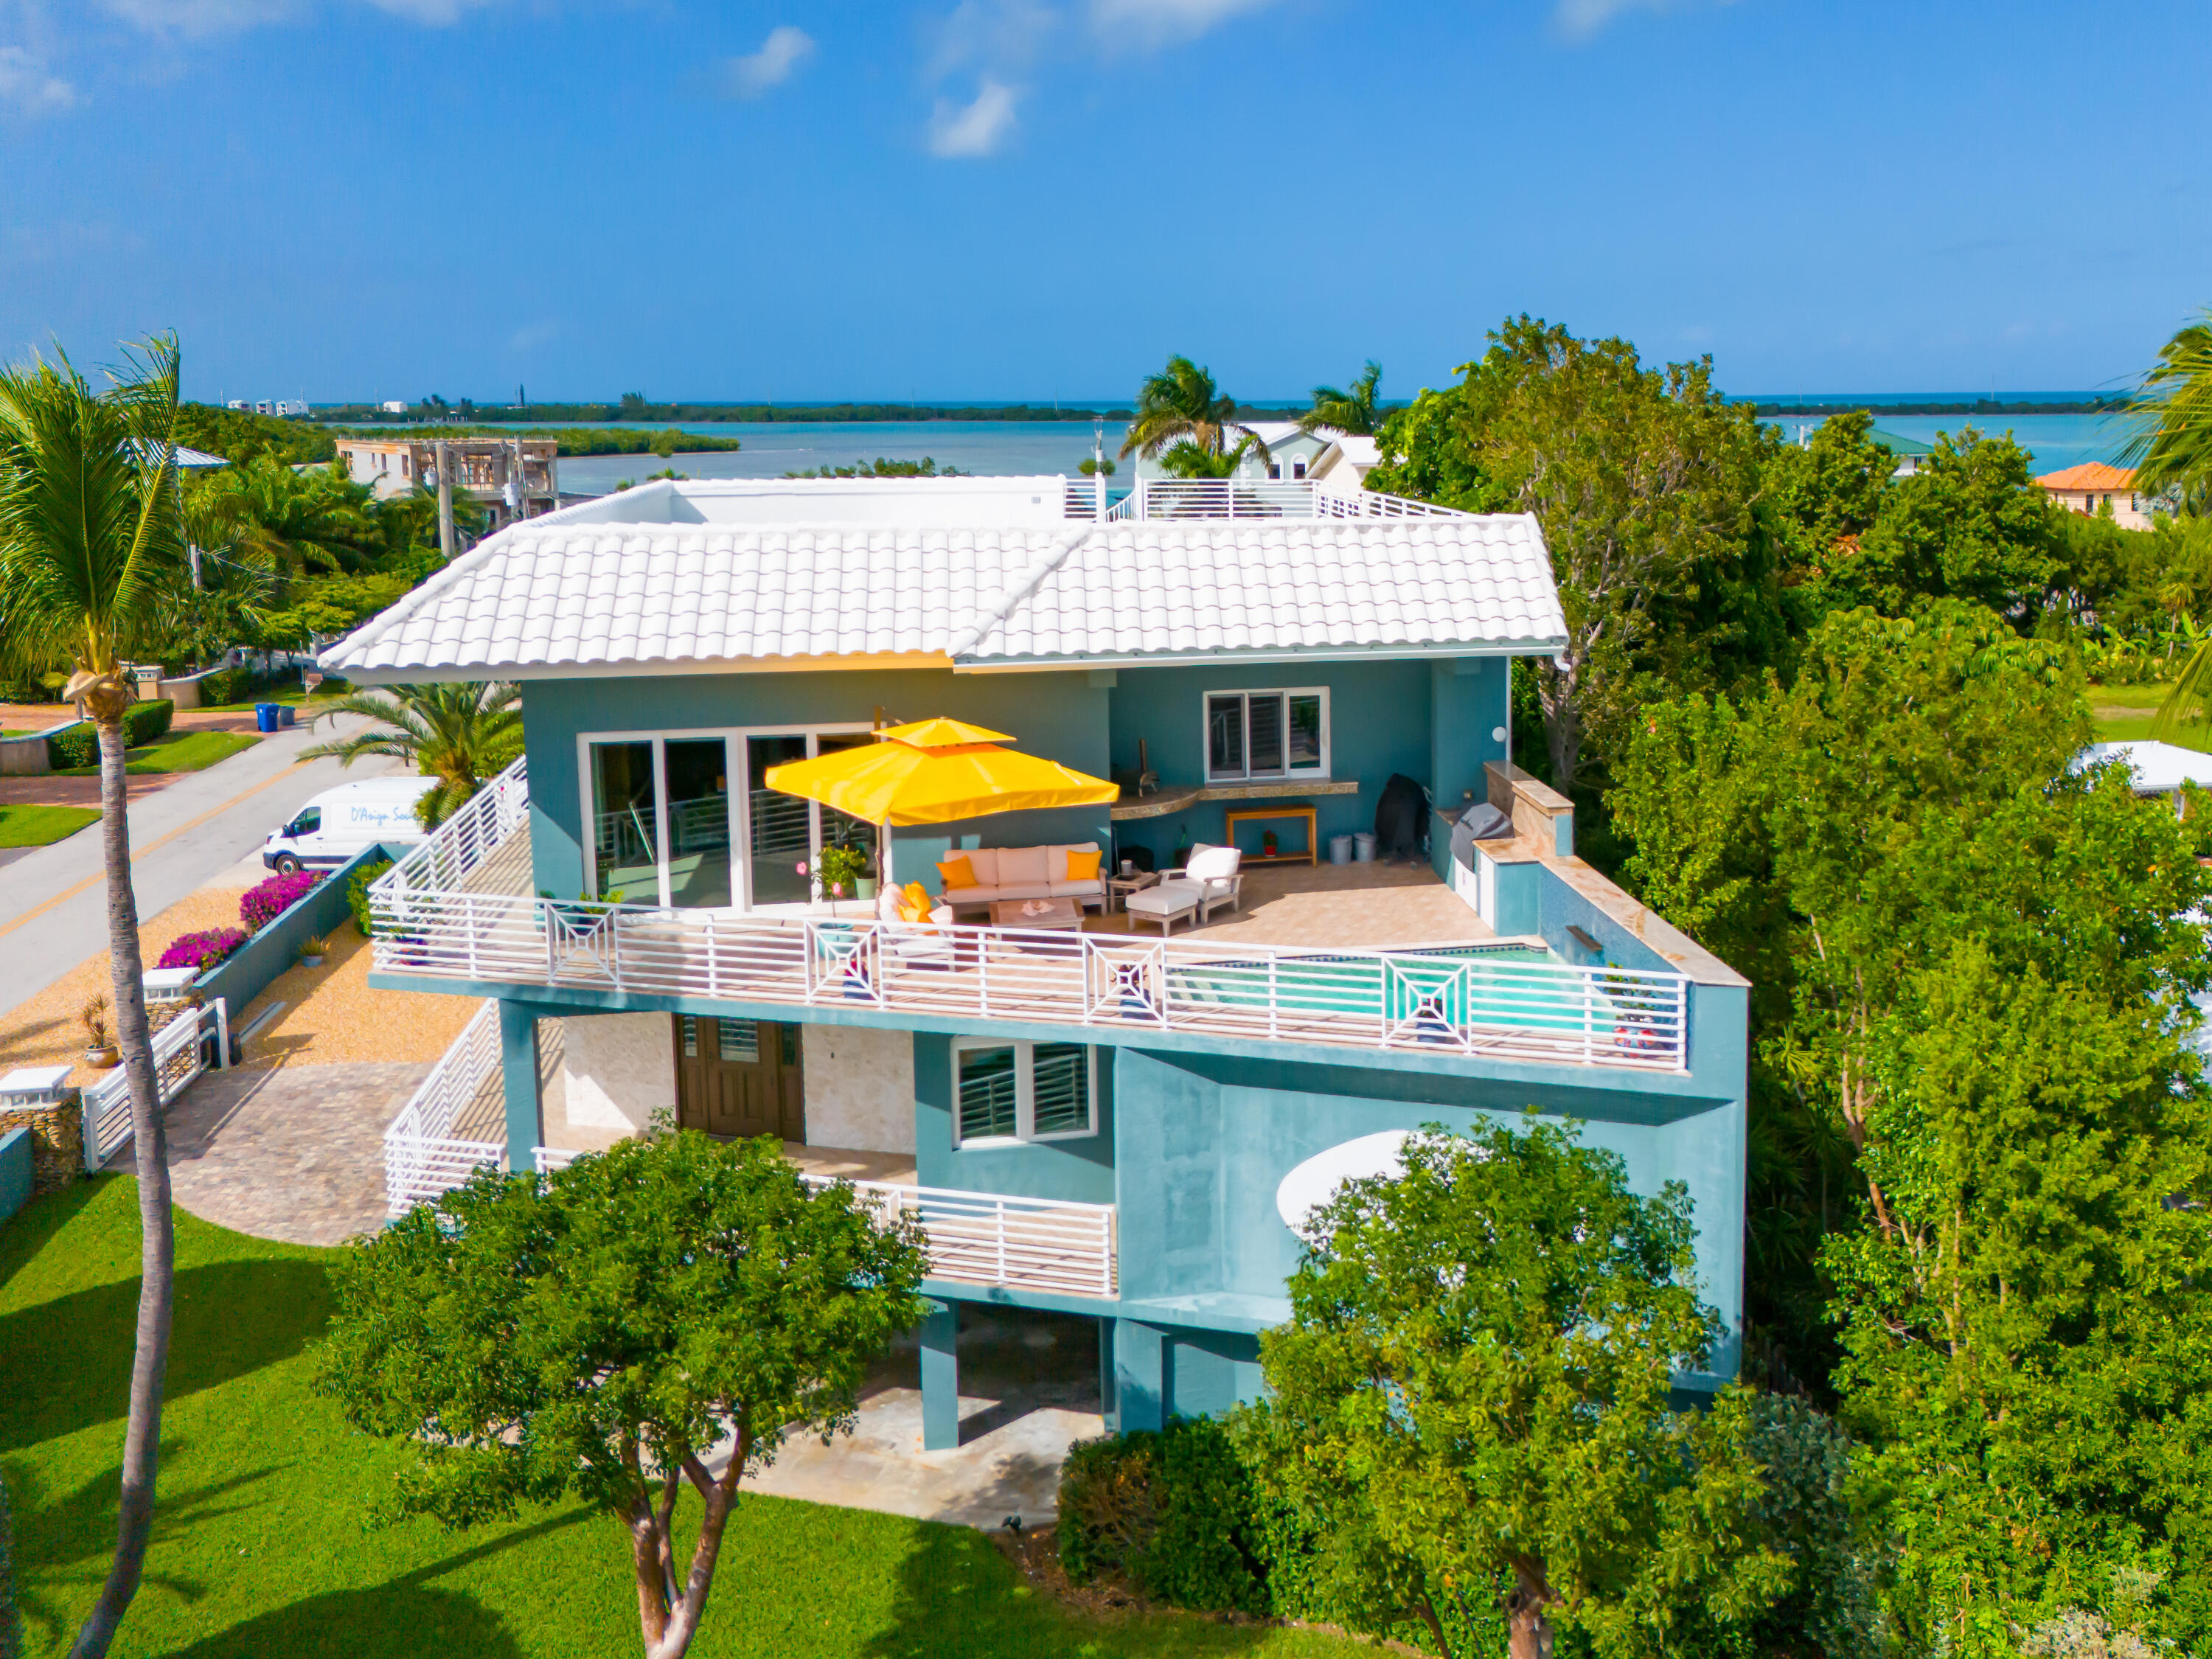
739 1078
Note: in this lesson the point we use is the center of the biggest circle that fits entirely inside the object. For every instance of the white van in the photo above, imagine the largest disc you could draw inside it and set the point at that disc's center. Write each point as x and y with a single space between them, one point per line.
342 821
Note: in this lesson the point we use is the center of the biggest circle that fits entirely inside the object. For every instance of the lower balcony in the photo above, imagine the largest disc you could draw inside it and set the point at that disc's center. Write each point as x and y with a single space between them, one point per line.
441 1138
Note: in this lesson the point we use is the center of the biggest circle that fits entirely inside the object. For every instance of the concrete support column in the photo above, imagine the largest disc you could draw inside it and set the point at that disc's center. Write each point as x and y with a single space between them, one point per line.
1107 1406
941 1379
1143 1383
517 1059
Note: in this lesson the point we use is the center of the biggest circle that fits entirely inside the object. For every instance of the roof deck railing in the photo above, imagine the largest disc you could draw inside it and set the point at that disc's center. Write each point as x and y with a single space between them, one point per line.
1172 499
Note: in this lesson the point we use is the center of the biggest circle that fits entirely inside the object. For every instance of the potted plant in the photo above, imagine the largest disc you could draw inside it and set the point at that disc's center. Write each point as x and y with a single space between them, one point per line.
99 1051
842 868
1267 843
312 949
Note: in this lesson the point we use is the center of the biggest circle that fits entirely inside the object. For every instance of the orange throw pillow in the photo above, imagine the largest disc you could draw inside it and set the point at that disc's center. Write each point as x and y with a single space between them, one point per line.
1083 867
957 873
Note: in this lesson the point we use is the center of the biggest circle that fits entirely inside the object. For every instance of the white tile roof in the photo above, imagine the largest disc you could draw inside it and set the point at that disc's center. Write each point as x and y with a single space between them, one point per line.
552 596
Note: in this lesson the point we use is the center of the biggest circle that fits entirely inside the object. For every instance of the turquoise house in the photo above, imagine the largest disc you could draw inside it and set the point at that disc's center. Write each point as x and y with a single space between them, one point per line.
1096 1110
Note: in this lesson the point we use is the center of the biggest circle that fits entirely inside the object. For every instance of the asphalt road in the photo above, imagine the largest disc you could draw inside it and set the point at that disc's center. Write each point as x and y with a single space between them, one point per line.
53 900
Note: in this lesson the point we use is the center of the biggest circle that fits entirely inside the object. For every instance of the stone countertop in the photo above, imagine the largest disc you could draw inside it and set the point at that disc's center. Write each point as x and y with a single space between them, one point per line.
1178 798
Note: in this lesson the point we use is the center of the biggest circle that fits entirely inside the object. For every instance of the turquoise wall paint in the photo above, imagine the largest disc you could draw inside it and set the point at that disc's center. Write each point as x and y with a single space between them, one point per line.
1059 715
1080 1168
1201 1157
1383 719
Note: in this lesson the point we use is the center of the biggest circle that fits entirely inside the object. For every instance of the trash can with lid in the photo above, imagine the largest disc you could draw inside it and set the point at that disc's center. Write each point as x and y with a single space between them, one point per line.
1340 849
265 716
1363 846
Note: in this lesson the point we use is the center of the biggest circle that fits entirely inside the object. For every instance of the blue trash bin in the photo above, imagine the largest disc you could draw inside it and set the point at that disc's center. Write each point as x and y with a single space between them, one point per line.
265 716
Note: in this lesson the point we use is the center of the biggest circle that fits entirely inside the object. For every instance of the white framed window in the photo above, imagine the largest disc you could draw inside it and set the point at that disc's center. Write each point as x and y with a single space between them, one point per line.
1006 1093
1274 471
1298 467
1266 734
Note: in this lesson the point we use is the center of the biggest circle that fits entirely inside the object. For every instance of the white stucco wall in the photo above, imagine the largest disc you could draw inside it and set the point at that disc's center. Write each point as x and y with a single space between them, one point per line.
860 1088
618 1070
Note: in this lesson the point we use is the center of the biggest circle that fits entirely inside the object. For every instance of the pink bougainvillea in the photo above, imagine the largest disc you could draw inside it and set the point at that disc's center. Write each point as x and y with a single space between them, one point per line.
263 904
203 950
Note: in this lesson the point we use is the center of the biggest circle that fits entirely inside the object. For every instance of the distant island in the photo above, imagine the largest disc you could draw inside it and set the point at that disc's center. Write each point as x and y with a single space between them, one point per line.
633 406
2115 405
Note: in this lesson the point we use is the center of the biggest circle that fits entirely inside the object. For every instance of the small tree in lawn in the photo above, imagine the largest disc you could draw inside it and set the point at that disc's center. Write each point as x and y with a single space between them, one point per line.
611 1332
1470 1405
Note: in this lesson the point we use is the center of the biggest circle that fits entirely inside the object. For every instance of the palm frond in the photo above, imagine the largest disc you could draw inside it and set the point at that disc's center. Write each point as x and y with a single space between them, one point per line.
2191 696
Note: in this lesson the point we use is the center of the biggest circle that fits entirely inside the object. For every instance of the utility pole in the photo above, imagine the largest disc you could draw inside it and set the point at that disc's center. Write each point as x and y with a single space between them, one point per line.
444 500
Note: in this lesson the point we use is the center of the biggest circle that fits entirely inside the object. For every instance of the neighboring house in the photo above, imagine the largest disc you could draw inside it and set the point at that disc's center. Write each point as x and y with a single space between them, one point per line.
1912 454
2093 486
2158 768
512 478
1292 453
1099 1123
1345 461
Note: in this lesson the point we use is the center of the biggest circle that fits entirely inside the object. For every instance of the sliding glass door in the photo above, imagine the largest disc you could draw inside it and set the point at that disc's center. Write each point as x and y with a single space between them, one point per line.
667 827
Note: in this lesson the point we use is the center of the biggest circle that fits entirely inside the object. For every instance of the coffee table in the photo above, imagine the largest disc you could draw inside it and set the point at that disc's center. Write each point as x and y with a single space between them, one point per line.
1060 915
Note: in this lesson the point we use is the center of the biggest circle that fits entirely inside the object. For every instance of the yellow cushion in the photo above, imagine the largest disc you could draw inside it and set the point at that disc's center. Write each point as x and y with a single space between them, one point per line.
1083 867
915 893
958 871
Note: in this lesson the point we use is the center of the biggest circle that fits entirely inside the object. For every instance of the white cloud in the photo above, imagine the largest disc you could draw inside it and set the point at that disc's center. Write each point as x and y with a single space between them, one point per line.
1578 20
26 86
972 130
1161 22
198 17
1006 34
784 50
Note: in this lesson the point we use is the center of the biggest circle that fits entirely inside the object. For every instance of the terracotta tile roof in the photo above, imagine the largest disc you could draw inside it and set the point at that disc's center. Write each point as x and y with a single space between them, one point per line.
2090 475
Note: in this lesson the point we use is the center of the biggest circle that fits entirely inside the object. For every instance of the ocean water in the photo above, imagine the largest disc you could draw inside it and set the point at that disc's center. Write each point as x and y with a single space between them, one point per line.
1003 448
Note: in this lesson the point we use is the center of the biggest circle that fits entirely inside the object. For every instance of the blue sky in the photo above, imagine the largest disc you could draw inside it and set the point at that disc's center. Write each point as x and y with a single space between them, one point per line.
1040 198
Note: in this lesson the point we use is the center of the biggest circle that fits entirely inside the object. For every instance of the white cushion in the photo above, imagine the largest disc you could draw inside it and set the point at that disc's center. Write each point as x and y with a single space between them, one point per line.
887 903
984 861
1213 863
1024 867
1094 888
1169 898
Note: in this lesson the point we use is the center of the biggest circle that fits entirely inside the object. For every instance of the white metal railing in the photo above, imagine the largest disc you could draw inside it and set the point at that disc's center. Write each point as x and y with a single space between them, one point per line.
987 1238
469 837
421 1158
1079 496
1465 1000
177 1058
1259 498
980 1238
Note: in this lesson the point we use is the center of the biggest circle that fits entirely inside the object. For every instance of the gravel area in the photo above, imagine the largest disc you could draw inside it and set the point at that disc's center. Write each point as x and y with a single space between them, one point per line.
44 1031
331 1016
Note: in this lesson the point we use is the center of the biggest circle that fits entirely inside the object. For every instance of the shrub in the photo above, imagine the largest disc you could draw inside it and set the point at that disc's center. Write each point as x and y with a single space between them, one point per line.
202 951
1172 1511
357 893
263 904
73 745
142 722
224 685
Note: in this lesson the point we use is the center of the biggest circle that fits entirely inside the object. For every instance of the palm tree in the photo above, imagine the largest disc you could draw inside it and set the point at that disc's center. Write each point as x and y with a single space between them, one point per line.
462 733
90 555
1186 460
2174 451
307 521
1358 412
1181 405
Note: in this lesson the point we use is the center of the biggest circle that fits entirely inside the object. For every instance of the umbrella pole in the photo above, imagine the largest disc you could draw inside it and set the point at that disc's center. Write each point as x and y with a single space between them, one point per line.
883 858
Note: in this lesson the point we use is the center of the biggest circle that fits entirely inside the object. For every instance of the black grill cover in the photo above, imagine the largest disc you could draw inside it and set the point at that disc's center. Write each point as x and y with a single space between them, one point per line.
1398 818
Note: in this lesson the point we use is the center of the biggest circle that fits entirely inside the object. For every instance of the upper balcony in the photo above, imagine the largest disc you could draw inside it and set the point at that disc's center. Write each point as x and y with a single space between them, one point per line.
1358 958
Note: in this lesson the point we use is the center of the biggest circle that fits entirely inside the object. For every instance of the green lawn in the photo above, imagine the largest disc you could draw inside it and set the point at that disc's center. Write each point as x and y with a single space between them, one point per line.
260 1552
36 826
2123 713
175 752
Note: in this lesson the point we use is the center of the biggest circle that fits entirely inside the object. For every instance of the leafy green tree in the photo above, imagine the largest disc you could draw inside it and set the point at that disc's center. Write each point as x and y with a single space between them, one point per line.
310 520
1645 482
2029 1347
1828 492
1832 837
463 734
616 1331
1356 411
1190 459
91 555
1968 525
1475 1380
1181 403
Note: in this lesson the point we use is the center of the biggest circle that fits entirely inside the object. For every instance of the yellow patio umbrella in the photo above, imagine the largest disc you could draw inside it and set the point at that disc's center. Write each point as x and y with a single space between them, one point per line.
931 772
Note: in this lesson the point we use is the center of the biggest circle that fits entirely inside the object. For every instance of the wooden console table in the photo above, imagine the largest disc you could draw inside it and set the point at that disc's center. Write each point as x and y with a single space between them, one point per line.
1254 814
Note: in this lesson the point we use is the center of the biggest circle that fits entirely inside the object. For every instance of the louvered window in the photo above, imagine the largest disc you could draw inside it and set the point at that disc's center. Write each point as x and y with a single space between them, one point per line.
1020 1091
1266 734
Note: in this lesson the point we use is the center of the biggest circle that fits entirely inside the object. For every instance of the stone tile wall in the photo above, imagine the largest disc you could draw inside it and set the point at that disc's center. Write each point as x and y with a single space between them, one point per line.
56 1141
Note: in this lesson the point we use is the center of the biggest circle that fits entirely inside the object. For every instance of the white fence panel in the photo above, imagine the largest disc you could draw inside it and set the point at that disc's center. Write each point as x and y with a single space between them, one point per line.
177 1058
